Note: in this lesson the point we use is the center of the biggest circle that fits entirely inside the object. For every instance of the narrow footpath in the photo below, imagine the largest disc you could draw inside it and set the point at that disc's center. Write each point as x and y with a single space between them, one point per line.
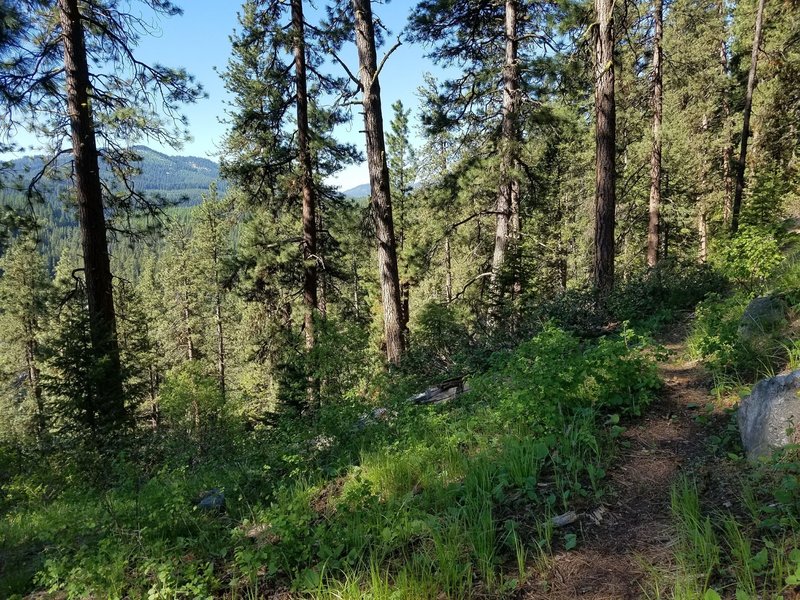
633 532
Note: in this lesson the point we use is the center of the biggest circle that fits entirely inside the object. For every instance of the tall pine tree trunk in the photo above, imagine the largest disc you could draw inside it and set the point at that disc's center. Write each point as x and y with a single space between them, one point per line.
220 341
448 272
655 157
727 149
748 107
34 381
702 232
605 142
91 218
306 175
187 323
506 200
379 181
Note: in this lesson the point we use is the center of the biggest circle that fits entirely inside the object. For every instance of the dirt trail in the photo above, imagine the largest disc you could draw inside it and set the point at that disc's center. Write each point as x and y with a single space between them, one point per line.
611 560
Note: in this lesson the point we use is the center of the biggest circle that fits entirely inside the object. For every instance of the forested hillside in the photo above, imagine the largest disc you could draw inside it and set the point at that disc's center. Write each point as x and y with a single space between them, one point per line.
237 381
181 181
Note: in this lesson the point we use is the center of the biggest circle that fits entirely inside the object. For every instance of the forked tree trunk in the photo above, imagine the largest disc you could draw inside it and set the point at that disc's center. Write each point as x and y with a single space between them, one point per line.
508 192
379 181
748 107
605 143
655 156
110 406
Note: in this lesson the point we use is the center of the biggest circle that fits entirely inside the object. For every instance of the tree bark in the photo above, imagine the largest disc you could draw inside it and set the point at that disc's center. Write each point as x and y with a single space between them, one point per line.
91 218
34 381
748 107
220 342
727 149
379 181
702 230
187 323
605 144
655 157
306 175
448 272
508 193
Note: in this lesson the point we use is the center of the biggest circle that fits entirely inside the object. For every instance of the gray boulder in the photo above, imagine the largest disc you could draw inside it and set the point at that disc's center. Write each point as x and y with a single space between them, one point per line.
762 315
212 501
768 416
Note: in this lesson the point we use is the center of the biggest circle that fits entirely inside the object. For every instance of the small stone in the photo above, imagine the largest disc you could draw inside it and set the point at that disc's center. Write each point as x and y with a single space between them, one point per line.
566 519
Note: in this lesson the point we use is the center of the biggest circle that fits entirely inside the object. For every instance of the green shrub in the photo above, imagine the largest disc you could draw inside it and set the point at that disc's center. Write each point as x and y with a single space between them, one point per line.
190 399
751 257
714 339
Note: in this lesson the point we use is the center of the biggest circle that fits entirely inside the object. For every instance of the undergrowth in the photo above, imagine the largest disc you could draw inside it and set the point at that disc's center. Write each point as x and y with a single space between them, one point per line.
749 546
450 500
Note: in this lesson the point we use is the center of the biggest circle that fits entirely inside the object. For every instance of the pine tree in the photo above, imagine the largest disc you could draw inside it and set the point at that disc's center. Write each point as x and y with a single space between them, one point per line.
211 258
605 147
655 159
748 107
498 42
42 84
381 199
25 294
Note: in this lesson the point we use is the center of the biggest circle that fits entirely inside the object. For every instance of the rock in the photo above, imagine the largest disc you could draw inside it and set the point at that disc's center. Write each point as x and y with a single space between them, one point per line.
212 501
442 392
567 518
762 315
768 416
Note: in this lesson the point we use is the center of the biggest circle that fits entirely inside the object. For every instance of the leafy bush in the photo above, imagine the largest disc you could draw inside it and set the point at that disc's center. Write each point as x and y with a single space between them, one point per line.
440 343
750 257
190 399
651 298
715 340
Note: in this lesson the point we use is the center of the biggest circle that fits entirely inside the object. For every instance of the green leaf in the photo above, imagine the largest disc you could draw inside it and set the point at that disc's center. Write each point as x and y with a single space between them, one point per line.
711 594
570 541
760 560
742 595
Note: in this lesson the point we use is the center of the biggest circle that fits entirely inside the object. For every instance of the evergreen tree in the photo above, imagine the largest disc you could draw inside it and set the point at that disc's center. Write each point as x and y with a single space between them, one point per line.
25 295
211 258
381 199
605 147
748 107
115 106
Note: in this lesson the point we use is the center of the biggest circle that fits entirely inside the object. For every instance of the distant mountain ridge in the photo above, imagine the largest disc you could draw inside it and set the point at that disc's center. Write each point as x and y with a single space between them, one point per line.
360 191
179 178
183 179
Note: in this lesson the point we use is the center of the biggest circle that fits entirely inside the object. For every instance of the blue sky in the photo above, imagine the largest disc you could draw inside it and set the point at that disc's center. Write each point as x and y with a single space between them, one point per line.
199 41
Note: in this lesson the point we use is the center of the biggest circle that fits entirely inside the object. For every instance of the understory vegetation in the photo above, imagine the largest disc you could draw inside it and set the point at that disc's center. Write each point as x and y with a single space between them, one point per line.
422 500
737 522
